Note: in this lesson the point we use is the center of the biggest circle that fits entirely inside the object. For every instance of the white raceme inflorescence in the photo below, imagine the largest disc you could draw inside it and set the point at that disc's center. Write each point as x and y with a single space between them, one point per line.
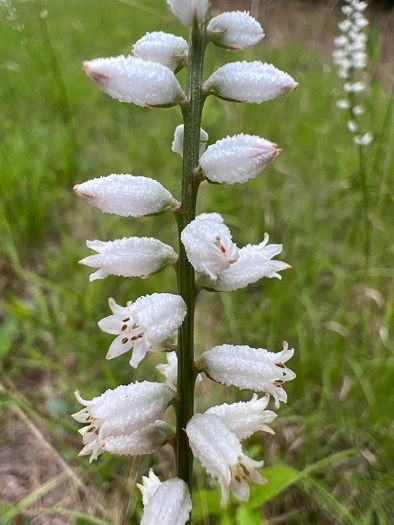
121 412
249 82
128 257
252 368
235 30
165 503
220 453
177 144
127 195
166 49
137 81
238 158
209 247
188 10
148 324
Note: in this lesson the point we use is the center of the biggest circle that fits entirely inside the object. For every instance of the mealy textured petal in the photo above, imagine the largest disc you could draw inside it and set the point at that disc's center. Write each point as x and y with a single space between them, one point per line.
126 195
245 418
208 246
252 368
249 82
185 10
169 504
220 453
177 144
149 486
164 48
144 441
129 257
238 158
170 371
235 30
254 263
133 80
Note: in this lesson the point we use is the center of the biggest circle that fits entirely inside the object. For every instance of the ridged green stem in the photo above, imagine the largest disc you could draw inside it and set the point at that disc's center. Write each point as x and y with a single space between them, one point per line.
192 113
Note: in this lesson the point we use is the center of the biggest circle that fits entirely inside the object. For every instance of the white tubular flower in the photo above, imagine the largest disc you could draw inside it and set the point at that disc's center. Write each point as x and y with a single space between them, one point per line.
144 325
130 79
166 49
355 87
249 82
128 257
238 158
121 412
208 246
352 126
188 10
235 30
252 368
254 263
127 195
343 104
165 503
170 371
220 453
365 140
245 418
177 144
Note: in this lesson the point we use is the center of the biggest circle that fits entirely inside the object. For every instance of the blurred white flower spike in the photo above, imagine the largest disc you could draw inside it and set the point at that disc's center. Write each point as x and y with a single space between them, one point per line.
164 48
235 30
188 11
220 453
136 81
252 82
148 324
122 412
165 503
209 247
237 159
177 144
128 257
127 195
252 368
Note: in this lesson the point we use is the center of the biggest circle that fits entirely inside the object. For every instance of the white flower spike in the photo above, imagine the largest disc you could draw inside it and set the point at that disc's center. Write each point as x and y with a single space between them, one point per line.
252 368
254 263
127 195
220 453
166 49
170 371
208 246
235 30
249 82
188 10
165 503
237 159
177 144
129 257
133 80
245 418
120 412
145 325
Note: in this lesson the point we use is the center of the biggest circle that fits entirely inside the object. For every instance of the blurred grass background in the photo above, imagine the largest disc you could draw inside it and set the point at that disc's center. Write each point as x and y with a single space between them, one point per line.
333 451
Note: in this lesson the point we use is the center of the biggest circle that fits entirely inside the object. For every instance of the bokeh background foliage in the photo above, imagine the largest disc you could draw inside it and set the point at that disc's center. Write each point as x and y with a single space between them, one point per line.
331 460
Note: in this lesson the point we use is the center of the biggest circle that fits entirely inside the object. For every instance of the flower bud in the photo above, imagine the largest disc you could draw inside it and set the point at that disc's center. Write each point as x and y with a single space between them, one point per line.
220 453
177 144
166 49
235 30
208 246
120 412
127 195
129 257
188 10
130 79
252 368
144 325
254 263
238 158
249 82
170 371
165 503
245 418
